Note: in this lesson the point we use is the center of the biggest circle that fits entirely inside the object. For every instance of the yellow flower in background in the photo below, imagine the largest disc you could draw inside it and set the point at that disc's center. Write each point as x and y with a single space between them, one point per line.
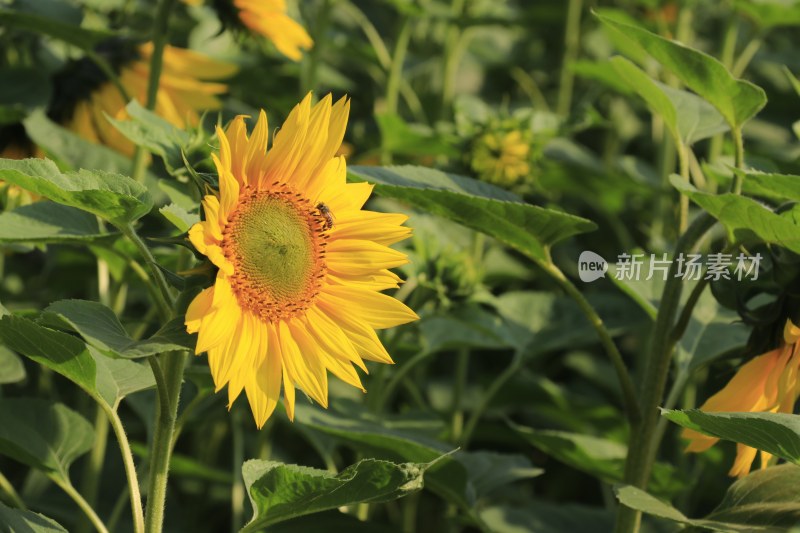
301 264
502 158
184 92
269 18
767 383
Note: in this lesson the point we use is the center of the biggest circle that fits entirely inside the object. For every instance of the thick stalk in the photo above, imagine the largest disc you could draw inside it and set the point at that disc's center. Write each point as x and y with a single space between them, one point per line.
67 487
168 390
572 39
160 34
642 444
683 206
626 384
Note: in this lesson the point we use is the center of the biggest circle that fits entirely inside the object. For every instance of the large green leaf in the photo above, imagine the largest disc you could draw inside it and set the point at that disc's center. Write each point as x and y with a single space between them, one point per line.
43 435
48 222
763 501
480 206
688 117
70 150
598 457
99 326
737 100
778 187
19 521
114 197
80 37
776 433
104 379
747 220
147 129
280 492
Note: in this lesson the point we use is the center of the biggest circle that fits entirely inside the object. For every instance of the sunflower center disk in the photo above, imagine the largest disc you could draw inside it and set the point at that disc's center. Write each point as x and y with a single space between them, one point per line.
276 242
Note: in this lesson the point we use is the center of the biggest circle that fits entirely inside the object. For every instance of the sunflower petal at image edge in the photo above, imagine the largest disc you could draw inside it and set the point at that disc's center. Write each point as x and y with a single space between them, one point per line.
301 264
766 384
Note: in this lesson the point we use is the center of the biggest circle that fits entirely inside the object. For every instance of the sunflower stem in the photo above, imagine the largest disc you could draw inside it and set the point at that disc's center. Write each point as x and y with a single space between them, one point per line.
137 513
643 444
163 296
168 390
629 400
160 34
10 496
571 48
94 466
73 493
396 75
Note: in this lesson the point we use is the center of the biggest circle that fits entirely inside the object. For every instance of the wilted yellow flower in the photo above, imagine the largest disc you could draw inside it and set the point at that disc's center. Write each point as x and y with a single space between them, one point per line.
301 265
269 18
767 383
502 158
184 92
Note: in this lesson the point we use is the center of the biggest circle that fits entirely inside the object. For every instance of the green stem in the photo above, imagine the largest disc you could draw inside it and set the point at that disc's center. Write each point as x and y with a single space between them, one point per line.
451 54
11 493
94 466
738 145
626 383
683 207
746 56
462 369
160 34
237 490
726 58
130 470
499 382
397 378
396 74
67 487
163 296
643 445
168 389
572 38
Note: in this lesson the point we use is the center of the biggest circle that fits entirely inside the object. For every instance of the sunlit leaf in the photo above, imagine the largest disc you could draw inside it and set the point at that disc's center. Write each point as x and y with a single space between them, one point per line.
737 100
480 206
11 368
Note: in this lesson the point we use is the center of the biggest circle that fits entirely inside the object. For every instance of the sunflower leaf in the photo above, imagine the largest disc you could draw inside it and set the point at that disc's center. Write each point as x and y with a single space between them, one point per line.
28 521
737 100
11 368
478 205
746 219
280 492
775 433
69 33
598 457
764 501
43 435
113 197
99 326
106 380
49 222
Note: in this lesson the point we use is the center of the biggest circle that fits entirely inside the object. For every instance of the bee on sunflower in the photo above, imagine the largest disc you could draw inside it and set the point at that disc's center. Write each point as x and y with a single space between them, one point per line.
295 296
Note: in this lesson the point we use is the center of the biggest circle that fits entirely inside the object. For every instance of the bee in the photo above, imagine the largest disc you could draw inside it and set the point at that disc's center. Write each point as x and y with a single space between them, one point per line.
325 212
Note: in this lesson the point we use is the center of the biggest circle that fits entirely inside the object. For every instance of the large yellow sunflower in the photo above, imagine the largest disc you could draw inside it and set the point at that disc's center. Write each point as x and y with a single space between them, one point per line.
767 383
301 264
184 91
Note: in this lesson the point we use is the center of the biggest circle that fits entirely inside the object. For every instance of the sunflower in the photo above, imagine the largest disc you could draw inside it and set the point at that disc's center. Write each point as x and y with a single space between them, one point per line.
767 383
267 18
184 91
301 264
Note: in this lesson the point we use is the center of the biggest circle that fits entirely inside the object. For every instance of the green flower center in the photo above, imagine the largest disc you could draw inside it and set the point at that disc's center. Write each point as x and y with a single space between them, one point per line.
276 242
